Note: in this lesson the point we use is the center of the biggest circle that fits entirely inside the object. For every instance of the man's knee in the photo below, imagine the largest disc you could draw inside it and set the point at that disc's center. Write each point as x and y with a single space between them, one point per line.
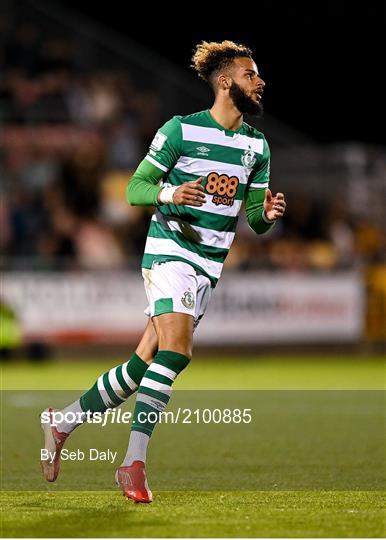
148 346
179 344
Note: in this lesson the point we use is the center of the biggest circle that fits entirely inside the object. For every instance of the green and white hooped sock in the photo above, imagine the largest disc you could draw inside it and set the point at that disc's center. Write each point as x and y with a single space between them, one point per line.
110 390
152 398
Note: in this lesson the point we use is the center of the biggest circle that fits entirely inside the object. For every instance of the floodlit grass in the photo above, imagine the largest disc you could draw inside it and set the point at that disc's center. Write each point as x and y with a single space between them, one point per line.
200 509
197 514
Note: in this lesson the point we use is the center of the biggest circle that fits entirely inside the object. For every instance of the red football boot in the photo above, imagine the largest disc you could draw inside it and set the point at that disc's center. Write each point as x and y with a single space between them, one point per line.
53 443
132 480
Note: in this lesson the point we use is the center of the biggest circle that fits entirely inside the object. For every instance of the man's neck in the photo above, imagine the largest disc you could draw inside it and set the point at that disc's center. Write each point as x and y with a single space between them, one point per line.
226 114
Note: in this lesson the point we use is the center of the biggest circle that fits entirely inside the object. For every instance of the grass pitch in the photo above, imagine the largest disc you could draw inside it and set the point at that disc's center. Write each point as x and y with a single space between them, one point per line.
195 514
268 511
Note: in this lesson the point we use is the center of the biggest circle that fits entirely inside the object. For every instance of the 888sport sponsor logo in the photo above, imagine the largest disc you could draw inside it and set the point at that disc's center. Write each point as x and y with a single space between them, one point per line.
222 187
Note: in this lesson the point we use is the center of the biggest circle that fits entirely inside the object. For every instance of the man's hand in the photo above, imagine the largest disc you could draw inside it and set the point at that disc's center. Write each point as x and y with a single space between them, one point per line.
190 193
274 207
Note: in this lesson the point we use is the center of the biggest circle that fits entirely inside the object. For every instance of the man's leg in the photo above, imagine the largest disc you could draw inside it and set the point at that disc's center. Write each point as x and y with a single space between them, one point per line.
116 385
110 390
175 339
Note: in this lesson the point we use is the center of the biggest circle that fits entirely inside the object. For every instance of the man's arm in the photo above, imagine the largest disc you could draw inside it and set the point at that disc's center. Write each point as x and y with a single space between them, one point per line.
263 210
254 210
143 189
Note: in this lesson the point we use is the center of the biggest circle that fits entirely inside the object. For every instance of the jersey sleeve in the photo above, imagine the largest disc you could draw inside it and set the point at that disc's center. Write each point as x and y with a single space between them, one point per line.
165 148
260 175
254 210
143 188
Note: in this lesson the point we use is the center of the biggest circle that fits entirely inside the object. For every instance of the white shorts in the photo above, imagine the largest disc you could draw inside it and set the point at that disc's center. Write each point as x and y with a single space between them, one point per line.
176 287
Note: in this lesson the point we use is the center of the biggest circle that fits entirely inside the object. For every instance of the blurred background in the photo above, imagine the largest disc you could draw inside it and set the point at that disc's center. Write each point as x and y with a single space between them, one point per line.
82 93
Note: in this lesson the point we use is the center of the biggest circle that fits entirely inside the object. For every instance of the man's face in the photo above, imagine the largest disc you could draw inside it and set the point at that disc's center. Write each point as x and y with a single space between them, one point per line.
247 86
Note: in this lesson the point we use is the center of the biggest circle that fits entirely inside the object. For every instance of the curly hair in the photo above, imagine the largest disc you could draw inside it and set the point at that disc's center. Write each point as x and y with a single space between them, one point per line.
211 57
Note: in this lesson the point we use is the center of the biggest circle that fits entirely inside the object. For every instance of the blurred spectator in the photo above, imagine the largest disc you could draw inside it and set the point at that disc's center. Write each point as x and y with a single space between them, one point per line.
38 171
105 103
28 219
304 217
79 180
289 255
123 147
370 241
97 248
57 247
340 232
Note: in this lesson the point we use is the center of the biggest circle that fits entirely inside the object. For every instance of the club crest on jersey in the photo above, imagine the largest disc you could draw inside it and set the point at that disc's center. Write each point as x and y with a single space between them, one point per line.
248 159
188 299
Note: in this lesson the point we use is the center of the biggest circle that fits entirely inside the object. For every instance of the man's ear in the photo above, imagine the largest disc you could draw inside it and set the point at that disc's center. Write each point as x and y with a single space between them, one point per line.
224 82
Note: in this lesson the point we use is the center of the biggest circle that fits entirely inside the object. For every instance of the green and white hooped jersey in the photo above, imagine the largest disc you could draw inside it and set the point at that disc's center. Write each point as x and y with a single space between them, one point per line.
231 162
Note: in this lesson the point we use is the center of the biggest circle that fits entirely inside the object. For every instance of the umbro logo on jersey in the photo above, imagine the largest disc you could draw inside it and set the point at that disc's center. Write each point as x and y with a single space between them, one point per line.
202 150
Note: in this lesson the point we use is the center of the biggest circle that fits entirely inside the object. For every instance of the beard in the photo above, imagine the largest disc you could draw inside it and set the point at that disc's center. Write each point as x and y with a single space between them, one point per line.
244 103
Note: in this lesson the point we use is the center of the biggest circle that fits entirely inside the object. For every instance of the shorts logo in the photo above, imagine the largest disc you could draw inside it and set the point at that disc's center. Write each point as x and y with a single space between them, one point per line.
188 299
248 159
222 187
